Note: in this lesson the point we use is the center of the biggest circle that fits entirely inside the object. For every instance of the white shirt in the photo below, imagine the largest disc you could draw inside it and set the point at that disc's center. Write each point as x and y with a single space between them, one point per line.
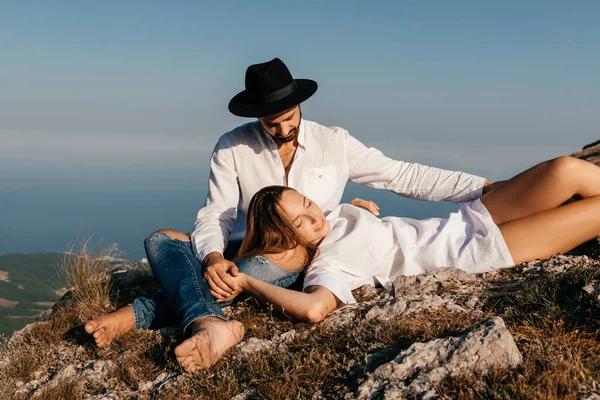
246 159
363 249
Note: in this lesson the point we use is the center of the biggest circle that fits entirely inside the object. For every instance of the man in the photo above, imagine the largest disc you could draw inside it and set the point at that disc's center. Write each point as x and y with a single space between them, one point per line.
280 148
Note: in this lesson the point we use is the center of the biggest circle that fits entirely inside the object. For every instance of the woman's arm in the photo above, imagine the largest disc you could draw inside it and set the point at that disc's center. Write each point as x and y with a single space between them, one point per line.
312 306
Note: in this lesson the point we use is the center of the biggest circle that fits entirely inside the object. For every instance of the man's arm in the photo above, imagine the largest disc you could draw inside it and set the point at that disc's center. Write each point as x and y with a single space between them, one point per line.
370 167
215 220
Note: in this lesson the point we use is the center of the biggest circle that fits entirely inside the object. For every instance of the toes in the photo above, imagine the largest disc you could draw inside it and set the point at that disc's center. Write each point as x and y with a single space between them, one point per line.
184 349
185 364
90 327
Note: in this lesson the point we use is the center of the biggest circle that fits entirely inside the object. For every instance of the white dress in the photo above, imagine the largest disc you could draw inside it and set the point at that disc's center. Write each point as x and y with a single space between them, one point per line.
246 159
363 249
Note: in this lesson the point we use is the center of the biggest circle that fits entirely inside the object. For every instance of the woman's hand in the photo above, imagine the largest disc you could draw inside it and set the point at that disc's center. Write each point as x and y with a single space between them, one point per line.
367 205
239 281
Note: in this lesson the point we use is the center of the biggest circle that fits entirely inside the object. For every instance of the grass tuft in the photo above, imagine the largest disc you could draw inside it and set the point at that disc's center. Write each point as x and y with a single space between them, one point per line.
555 326
86 271
67 389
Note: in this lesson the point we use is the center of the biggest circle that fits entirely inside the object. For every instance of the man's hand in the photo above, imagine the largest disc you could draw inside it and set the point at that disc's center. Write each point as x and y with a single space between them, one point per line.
489 186
218 273
367 205
240 281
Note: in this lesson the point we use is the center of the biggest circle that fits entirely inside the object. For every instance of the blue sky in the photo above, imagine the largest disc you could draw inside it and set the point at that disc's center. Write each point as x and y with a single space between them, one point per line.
112 91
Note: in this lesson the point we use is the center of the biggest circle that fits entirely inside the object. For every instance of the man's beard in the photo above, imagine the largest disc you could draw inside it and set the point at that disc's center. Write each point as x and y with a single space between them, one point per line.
292 135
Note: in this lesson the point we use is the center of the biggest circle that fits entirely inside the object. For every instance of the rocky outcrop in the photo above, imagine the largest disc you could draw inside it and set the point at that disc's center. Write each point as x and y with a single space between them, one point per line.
447 288
590 152
416 371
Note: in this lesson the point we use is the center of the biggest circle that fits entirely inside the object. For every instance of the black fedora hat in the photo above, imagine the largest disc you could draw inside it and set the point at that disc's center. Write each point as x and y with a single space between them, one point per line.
270 89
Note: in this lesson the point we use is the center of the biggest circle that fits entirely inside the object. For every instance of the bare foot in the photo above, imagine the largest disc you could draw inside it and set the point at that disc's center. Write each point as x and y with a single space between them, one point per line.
211 337
108 327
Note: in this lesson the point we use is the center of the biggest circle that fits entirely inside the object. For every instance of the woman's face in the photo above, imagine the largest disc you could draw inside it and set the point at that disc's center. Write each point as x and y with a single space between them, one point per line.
305 216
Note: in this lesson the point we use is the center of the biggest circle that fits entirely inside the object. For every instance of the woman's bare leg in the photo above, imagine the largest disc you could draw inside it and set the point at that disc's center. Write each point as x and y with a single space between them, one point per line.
553 231
543 187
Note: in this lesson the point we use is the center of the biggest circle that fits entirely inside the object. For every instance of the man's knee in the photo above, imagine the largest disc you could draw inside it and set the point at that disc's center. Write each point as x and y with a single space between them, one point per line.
172 234
156 241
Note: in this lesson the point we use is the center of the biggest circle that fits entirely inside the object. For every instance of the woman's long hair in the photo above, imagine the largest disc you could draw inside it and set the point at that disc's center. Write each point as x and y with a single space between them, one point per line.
269 232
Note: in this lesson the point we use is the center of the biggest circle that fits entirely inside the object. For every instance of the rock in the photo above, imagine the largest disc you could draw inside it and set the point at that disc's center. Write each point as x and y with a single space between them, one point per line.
254 345
145 386
390 309
341 319
287 336
373 361
366 293
455 308
593 289
590 396
65 373
97 371
318 395
246 394
415 371
432 282
433 302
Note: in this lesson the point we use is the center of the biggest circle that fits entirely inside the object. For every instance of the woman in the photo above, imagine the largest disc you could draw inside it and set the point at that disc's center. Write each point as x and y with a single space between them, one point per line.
518 221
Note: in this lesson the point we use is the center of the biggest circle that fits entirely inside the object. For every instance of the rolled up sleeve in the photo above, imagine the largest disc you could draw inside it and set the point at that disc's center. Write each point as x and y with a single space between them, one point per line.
215 220
370 167
332 280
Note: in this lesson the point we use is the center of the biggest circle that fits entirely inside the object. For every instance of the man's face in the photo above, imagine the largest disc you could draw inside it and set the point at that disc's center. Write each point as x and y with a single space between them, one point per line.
284 126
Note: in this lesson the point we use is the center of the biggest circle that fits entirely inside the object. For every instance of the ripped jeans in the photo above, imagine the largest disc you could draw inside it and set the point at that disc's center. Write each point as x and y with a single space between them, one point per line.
185 295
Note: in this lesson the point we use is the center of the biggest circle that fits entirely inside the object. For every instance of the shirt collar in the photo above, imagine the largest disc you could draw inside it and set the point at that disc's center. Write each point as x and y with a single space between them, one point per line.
302 133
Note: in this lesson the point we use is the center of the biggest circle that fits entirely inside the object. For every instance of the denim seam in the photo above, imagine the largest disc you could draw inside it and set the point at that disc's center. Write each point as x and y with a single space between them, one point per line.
196 285
136 323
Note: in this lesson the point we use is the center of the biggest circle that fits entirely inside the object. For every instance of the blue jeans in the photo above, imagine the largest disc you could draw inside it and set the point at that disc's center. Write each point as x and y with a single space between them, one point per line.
185 295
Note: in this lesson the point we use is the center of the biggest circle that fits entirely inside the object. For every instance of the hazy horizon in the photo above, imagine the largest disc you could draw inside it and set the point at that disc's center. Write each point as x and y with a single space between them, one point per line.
109 111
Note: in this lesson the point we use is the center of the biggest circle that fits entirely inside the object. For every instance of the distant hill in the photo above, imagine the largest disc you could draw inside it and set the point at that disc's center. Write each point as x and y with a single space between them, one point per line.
28 285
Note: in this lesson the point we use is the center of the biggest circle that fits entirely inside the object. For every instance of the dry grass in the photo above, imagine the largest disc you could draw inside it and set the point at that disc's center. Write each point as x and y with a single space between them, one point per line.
261 322
87 274
22 361
317 359
554 324
556 329
68 389
134 368
557 363
86 271
141 356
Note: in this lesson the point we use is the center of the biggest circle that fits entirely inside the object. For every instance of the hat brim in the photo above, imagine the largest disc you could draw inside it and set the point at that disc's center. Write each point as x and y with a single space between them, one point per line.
243 106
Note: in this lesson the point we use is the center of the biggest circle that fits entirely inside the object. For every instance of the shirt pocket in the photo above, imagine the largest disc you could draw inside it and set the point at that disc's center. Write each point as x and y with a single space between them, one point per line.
321 184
